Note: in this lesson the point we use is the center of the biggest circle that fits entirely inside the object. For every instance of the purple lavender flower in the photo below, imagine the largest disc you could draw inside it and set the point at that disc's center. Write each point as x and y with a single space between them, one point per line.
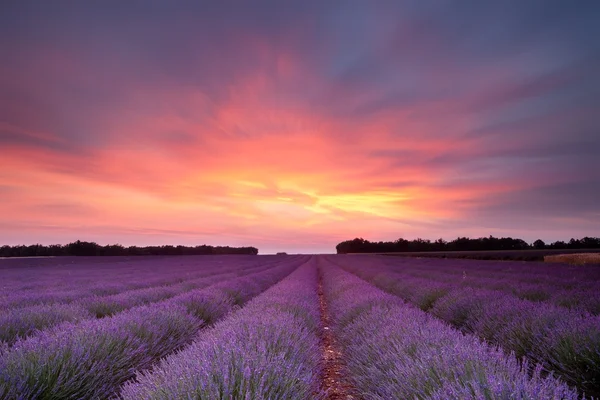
93 358
267 350
566 341
393 350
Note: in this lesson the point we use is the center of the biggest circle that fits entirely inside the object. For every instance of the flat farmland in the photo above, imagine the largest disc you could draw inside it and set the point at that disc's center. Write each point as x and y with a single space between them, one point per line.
297 327
507 255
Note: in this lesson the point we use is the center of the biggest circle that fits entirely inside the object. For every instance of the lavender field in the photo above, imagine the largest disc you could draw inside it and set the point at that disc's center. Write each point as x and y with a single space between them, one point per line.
297 327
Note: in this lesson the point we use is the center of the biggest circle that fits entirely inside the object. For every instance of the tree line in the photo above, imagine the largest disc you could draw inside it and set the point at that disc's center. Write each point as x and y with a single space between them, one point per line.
360 245
80 248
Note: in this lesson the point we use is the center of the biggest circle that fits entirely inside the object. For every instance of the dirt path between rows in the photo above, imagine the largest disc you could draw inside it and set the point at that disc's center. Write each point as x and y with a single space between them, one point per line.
333 382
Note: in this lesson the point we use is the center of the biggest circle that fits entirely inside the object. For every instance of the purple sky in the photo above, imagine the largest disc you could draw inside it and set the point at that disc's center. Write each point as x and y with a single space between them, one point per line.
294 127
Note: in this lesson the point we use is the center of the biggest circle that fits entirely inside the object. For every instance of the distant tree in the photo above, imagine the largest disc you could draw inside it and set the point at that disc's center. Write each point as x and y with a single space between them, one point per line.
440 244
81 248
590 243
360 245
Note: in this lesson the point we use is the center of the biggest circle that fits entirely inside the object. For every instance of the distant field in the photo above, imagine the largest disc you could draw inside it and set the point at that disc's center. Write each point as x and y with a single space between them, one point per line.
576 259
297 327
516 255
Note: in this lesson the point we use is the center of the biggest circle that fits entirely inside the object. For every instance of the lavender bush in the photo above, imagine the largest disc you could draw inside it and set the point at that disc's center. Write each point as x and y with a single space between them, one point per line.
93 358
267 350
565 286
392 350
564 341
21 322
59 285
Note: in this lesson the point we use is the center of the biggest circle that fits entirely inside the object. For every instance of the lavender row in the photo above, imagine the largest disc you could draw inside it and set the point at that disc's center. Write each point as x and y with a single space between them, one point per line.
268 350
579 291
393 350
20 323
80 269
161 274
564 341
502 275
82 273
527 272
93 358
101 306
410 281
411 286
63 289
586 297
109 278
154 275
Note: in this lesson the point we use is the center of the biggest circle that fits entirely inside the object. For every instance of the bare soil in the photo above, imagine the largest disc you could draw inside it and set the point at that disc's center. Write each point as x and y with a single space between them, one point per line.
333 381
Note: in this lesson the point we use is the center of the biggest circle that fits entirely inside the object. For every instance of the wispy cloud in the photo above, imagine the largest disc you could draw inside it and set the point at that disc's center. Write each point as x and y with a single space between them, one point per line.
300 125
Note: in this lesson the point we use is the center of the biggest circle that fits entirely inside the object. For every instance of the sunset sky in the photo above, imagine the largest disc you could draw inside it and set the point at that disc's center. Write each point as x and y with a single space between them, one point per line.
294 127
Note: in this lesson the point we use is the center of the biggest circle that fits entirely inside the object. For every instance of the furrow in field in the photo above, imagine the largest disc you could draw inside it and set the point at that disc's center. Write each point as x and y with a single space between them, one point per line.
393 350
333 382
566 342
267 350
92 359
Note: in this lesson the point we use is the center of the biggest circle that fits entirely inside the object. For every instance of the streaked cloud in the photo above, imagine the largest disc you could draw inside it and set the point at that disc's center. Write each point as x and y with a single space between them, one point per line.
296 127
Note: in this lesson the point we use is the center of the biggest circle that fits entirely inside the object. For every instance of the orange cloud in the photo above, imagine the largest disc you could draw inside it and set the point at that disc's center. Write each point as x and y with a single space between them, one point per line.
259 143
